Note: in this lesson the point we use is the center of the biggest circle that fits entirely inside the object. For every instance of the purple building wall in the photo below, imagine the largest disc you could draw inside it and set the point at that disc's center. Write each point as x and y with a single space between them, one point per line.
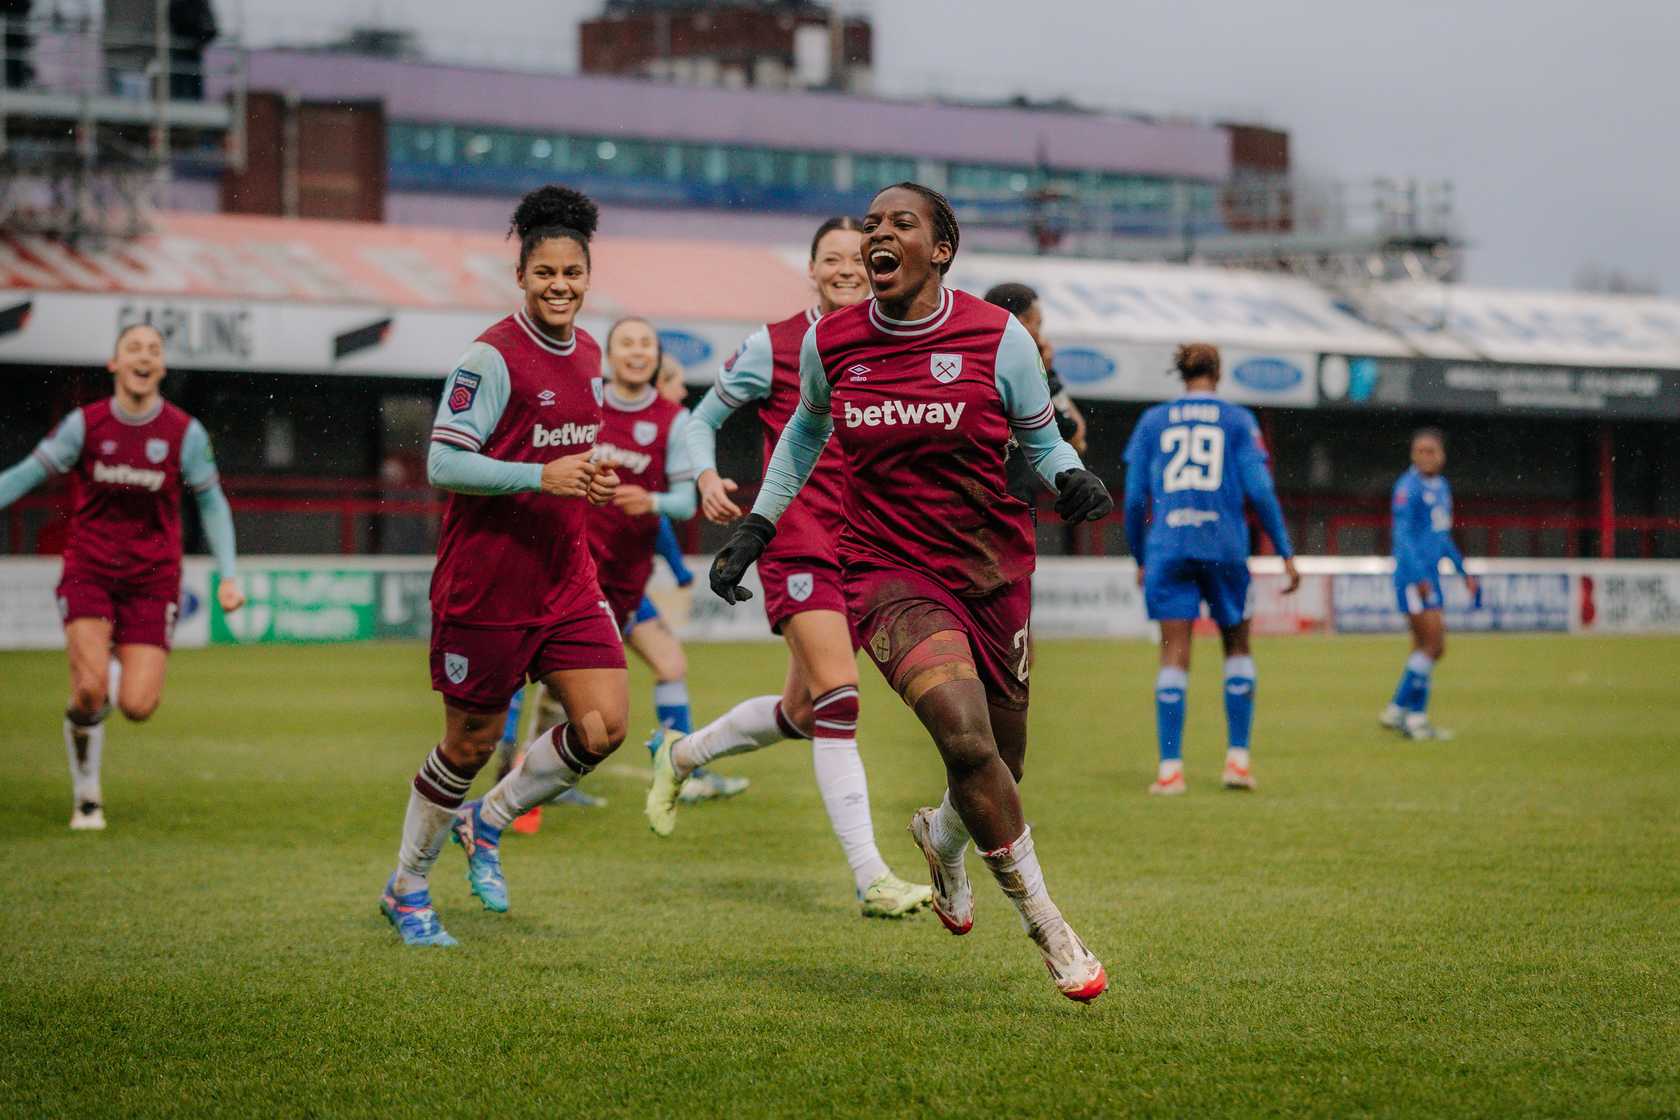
815 121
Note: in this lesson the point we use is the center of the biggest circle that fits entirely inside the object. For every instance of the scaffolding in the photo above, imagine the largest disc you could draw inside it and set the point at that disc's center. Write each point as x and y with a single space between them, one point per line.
97 116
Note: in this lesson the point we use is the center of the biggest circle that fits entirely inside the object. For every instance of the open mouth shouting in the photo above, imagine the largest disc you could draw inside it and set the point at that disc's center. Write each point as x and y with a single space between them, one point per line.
884 266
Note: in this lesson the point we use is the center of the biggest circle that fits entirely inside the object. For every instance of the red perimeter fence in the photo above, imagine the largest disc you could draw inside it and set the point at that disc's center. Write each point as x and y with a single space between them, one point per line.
359 510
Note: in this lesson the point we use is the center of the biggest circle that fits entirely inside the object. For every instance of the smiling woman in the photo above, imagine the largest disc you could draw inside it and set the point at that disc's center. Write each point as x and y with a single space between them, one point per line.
130 455
515 594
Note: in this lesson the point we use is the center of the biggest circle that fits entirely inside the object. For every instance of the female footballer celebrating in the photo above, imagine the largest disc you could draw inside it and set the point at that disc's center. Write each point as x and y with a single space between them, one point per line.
129 454
924 386
803 596
514 593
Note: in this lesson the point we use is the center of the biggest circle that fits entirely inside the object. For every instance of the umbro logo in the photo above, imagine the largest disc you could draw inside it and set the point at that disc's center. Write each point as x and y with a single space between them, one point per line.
546 397
859 372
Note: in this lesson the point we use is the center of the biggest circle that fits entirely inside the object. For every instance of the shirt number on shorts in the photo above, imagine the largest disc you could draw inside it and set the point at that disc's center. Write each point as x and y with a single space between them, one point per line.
1023 643
1198 457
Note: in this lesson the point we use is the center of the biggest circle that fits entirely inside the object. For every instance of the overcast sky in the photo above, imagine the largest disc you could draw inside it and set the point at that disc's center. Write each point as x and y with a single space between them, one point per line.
1558 121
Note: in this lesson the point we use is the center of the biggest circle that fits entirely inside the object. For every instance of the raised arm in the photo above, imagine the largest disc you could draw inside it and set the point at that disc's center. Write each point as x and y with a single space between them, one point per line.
53 455
1025 392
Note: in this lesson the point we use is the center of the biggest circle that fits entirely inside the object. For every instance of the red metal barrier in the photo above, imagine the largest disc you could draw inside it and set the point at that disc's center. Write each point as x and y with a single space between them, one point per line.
351 499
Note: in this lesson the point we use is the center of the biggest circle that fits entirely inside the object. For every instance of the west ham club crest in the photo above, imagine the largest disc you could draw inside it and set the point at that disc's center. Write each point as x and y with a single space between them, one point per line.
157 450
946 367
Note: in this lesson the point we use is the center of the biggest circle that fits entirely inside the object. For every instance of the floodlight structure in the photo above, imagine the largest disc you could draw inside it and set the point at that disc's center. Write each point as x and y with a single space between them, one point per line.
98 111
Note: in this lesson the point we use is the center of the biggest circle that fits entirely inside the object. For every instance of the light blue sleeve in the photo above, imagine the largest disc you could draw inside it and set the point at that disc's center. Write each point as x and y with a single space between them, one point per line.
19 479
217 518
804 437
55 454
1026 401
474 396
680 500
63 448
198 462
744 377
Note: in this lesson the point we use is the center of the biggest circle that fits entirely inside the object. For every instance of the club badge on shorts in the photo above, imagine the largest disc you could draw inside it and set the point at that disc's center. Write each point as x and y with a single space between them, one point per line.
645 432
800 585
881 645
157 450
946 367
454 667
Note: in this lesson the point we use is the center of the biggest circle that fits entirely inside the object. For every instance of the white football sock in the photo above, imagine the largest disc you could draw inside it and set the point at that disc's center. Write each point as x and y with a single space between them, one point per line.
546 770
1237 756
113 685
1167 768
845 794
749 726
948 833
1015 867
84 746
425 827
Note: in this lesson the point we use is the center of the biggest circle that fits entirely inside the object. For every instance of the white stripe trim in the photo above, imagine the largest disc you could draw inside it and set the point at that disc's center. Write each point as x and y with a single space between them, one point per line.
910 327
563 349
841 693
458 439
48 462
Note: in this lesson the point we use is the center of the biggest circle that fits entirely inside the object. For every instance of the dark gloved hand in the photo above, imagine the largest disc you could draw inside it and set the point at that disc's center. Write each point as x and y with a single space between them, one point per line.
1081 496
745 545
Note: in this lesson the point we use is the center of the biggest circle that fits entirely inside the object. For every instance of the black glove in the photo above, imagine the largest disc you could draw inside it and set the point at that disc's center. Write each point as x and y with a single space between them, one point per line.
743 548
1081 496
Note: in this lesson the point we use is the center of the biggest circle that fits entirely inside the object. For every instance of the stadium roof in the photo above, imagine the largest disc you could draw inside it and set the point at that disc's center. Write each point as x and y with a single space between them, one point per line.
244 293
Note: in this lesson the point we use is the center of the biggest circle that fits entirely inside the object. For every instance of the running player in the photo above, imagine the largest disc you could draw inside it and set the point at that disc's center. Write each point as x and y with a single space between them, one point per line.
643 437
1422 539
514 593
1199 460
129 455
548 712
924 386
803 596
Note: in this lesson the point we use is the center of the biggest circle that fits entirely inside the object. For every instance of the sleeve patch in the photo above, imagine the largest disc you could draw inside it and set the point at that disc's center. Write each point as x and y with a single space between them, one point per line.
464 391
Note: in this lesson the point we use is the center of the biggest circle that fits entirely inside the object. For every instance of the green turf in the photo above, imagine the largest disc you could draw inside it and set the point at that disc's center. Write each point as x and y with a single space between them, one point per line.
1487 927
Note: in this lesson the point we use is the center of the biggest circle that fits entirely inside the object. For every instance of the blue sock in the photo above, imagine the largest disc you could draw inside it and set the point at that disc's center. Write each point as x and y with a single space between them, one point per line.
1419 669
1239 700
1170 687
510 729
1403 691
670 705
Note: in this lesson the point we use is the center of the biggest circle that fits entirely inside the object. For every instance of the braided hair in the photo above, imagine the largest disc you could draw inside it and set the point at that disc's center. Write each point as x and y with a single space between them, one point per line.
550 212
944 218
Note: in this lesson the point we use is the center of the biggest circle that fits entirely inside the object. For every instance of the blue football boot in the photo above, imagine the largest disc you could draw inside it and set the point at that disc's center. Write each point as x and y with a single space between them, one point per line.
412 916
484 856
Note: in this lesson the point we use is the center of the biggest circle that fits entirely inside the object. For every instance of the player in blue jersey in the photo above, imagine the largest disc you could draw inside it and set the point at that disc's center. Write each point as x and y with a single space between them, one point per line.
1200 462
1422 539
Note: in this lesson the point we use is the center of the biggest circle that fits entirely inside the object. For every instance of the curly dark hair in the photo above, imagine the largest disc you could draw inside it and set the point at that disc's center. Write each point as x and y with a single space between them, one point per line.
553 211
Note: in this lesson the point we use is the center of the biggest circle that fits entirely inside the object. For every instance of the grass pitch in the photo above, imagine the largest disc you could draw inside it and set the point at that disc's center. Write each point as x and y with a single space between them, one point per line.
1484 927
